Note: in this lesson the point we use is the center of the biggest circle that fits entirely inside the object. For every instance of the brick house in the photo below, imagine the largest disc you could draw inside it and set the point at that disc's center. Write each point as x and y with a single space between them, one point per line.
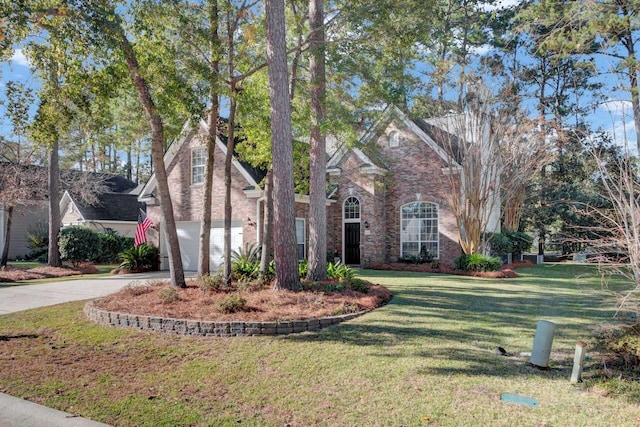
385 203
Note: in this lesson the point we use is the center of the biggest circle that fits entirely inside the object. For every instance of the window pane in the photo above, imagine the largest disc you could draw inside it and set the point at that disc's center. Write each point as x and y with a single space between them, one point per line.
198 159
419 229
352 208
300 238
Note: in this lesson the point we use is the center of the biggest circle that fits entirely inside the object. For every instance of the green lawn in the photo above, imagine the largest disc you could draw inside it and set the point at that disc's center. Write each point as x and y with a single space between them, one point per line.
426 358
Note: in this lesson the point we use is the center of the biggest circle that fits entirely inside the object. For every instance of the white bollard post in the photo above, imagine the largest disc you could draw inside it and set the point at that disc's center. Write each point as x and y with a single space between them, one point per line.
578 363
542 344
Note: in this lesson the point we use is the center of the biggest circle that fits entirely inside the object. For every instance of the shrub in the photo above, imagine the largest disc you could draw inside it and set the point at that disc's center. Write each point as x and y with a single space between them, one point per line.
212 282
245 269
135 289
423 257
340 271
346 308
144 257
499 244
245 262
357 285
303 268
250 253
231 304
520 241
168 295
111 245
477 262
78 244
38 242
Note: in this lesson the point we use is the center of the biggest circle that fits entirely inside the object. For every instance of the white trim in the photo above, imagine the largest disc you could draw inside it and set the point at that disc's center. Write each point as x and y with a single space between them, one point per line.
65 201
437 256
253 193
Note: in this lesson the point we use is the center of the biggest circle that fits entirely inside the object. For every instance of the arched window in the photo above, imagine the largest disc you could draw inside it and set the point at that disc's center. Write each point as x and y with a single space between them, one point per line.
419 230
352 209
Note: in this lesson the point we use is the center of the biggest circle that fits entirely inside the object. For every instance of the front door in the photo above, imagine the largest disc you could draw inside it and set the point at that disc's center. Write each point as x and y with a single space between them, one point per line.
352 243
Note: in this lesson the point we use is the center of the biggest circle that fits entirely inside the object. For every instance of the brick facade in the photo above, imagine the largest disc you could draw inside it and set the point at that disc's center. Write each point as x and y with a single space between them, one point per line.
389 176
412 172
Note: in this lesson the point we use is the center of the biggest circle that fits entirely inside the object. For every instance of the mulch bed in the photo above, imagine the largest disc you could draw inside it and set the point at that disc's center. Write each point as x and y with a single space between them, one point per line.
261 304
16 274
507 271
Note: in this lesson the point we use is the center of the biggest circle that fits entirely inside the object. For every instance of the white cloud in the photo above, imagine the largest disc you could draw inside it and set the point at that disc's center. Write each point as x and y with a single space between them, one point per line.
481 50
19 58
501 4
617 108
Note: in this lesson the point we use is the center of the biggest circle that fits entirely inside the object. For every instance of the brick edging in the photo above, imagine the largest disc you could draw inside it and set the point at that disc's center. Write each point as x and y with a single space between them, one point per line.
210 328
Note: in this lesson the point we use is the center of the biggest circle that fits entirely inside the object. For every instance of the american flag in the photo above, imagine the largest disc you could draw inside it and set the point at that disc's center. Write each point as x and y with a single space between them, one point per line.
144 223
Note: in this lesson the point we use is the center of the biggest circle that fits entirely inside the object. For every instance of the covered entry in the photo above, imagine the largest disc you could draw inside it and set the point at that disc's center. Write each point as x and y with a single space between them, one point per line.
351 231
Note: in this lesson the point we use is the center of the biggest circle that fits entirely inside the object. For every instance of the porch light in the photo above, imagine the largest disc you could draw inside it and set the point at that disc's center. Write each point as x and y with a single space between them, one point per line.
366 224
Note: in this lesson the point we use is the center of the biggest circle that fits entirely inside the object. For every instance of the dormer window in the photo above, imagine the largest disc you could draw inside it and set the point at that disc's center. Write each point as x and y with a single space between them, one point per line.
394 139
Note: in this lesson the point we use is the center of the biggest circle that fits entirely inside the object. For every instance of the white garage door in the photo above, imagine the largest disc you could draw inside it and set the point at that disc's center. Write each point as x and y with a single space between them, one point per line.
189 235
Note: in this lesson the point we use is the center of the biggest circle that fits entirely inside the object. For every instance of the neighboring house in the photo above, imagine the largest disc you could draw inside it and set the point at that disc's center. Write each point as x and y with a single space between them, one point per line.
24 220
118 212
384 204
117 208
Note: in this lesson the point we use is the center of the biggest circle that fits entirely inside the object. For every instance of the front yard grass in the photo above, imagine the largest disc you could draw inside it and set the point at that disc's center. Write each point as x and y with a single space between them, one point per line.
426 358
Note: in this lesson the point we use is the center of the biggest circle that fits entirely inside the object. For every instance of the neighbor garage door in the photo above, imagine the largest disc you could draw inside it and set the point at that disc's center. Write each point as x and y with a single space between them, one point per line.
189 234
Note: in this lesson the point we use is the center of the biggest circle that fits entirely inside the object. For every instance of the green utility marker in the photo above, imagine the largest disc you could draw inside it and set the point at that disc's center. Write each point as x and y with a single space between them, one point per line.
520 400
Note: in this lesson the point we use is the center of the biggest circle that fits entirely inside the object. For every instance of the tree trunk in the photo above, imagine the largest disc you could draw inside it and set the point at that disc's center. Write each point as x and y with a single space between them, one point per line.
267 227
54 205
167 221
228 210
205 230
7 237
317 254
281 150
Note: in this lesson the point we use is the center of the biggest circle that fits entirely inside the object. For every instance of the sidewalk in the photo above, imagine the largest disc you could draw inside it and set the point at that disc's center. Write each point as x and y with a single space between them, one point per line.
16 412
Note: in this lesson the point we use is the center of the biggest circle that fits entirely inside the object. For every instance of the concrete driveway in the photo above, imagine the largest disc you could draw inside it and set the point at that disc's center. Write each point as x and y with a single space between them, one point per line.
24 297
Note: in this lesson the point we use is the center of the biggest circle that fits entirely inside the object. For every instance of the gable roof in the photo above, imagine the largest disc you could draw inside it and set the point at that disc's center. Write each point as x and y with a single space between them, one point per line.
427 132
109 207
251 174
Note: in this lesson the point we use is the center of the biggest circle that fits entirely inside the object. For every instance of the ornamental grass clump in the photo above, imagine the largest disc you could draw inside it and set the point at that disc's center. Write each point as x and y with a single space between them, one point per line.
477 262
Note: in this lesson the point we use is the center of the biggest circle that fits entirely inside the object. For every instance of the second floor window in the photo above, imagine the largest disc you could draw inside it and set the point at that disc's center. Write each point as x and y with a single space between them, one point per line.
198 161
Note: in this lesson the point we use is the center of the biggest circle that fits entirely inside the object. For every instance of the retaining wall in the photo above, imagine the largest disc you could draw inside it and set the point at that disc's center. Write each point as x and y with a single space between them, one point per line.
210 328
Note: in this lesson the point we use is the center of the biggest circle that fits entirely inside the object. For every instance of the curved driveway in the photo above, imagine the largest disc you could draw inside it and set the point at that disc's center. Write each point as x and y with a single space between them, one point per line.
23 297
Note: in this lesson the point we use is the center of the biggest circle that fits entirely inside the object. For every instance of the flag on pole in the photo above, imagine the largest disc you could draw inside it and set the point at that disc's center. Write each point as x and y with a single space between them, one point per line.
144 223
